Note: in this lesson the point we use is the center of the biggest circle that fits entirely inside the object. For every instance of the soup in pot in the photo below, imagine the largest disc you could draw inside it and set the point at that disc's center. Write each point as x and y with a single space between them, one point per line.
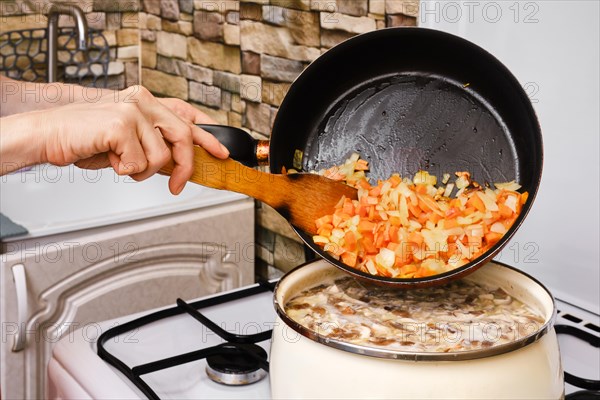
460 316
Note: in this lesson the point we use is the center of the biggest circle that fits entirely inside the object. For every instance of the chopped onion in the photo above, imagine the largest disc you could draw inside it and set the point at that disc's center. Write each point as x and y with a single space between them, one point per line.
448 190
371 267
395 212
474 230
434 265
423 177
435 240
320 239
498 227
445 178
386 258
512 185
414 225
457 231
511 202
463 250
403 211
462 182
488 201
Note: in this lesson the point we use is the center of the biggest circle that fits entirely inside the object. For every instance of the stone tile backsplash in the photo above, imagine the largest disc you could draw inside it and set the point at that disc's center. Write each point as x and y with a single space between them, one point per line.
233 59
239 57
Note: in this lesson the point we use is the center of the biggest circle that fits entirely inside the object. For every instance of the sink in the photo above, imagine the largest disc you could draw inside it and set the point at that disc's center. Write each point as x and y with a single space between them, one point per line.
49 200
24 56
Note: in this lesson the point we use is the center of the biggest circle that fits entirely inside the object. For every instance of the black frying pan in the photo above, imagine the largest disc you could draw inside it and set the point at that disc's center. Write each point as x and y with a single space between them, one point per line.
406 99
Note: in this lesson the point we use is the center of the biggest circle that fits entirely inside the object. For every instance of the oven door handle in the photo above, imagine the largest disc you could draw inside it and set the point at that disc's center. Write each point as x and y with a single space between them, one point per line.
20 280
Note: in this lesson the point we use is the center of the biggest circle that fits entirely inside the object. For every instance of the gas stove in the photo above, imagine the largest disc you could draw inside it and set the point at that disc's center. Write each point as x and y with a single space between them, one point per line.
180 352
217 347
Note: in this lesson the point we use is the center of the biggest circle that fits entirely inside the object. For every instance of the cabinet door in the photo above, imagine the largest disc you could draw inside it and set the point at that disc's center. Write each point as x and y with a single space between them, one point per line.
105 290
75 288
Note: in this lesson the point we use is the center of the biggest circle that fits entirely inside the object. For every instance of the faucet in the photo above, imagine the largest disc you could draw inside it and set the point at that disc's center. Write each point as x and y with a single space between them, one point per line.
82 33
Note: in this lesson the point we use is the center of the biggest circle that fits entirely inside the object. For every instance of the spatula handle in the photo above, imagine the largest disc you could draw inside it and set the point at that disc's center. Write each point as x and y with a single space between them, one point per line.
230 175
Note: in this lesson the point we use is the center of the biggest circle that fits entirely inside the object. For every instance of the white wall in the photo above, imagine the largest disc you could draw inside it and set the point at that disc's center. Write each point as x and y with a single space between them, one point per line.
552 47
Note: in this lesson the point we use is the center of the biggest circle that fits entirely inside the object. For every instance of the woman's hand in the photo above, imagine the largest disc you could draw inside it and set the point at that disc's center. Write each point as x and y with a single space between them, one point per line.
127 130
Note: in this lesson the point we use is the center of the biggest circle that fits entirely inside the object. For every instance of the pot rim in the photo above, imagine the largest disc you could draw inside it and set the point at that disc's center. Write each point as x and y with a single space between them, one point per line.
417 356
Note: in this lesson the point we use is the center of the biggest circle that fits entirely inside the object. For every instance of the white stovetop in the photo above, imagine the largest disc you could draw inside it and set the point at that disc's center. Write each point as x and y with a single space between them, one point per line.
80 373
49 200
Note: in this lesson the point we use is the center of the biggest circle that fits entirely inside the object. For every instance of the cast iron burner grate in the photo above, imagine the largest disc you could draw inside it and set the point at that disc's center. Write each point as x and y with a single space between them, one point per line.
583 383
252 363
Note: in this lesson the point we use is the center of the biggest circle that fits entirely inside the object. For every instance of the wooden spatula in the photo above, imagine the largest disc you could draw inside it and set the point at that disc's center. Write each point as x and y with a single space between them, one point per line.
300 198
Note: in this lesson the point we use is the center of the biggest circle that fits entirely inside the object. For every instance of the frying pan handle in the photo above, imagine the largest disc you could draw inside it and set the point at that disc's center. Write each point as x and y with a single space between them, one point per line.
242 147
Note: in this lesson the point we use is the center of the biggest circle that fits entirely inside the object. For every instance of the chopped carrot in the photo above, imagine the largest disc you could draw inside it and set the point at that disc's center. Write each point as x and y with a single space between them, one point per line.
450 223
423 206
392 246
361 165
414 210
350 240
363 183
434 217
468 211
395 180
423 218
509 222
505 212
417 238
493 237
452 212
368 245
395 221
383 271
394 232
381 242
413 225
421 188
349 258
366 226
476 202
408 269
337 219
348 207
327 219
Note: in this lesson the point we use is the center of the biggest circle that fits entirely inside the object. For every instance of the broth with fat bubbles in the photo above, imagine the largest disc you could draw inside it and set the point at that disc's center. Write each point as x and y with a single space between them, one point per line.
460 316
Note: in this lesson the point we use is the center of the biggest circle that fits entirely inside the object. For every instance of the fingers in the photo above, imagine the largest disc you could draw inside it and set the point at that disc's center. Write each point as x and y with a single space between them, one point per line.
209 142
142 152
178 133
201 118
183 157
156 151
127 157
186 111
97 161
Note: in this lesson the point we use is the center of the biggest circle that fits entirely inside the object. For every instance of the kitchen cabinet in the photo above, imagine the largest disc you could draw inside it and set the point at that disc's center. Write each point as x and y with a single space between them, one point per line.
53 286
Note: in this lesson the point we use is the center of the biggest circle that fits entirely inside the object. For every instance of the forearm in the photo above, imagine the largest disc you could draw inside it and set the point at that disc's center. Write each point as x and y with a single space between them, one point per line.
17 97
21 141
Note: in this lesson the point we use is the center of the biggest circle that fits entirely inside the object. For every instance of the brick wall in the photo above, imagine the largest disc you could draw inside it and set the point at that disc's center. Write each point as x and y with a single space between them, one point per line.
235 60
117 19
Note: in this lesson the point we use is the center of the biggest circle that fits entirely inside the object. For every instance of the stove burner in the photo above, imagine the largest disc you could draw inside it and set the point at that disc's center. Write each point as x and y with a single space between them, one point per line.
237 364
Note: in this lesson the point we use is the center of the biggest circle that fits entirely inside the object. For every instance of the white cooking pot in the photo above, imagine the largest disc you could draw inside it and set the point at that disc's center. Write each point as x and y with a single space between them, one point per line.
304 364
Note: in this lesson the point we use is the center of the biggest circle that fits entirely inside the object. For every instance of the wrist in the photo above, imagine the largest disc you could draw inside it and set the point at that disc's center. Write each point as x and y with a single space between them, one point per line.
23 141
